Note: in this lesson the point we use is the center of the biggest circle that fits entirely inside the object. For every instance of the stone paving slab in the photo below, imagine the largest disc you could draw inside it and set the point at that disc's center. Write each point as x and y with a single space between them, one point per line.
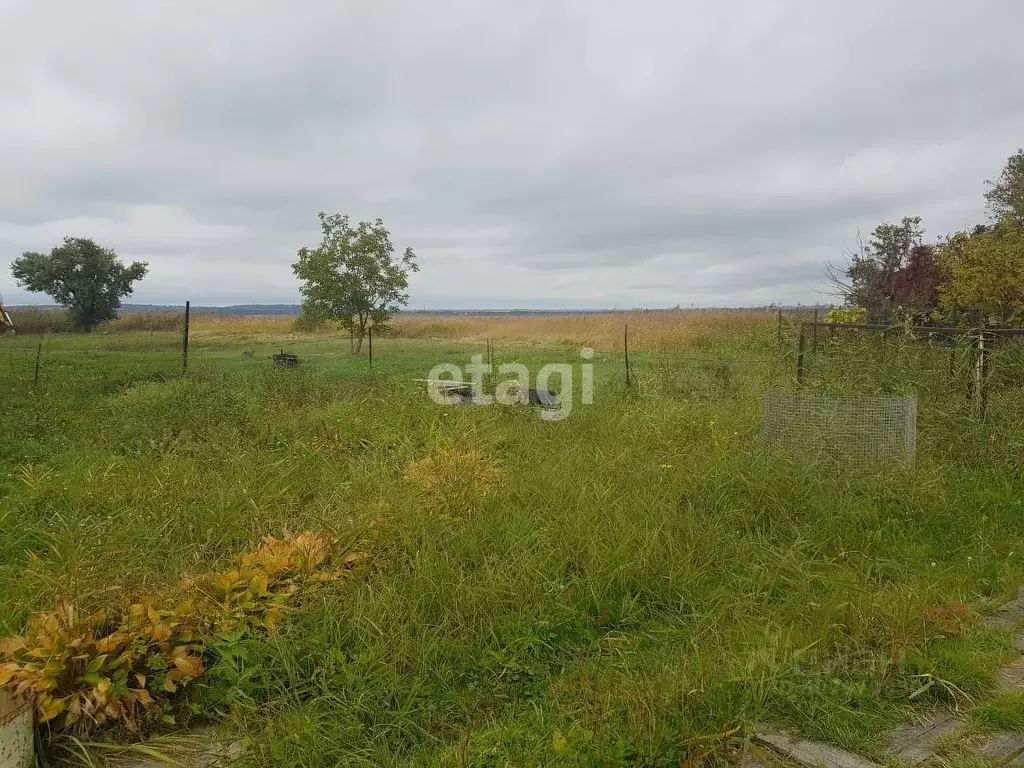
1011 613
1011 677
812 753
915 743
1001 748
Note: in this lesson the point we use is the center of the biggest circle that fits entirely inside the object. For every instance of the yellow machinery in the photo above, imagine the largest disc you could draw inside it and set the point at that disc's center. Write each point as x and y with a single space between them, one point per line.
6 324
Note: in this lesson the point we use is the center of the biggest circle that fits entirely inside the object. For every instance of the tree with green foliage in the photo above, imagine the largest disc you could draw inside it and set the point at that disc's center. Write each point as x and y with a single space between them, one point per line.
353 276
984 270
82 276
1005 197
874 275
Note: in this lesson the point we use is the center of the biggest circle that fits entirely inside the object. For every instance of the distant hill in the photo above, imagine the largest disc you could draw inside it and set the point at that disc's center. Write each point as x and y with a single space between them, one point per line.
235 309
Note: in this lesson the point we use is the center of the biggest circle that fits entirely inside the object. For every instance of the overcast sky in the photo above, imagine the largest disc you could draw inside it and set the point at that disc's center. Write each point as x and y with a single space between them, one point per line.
538 153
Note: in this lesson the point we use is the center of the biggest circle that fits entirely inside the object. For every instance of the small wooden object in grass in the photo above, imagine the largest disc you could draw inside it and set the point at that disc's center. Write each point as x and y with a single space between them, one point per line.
288 359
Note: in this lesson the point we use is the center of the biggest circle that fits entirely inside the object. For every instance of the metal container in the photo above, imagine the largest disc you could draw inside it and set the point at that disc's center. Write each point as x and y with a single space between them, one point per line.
16 734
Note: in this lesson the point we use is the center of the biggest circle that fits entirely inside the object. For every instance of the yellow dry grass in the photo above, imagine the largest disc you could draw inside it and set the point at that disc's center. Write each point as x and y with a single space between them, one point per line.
449 481
217 325
651 330
604 332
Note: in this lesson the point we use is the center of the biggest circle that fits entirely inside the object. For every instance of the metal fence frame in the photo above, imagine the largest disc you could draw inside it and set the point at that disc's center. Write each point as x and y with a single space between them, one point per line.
981 340
863 429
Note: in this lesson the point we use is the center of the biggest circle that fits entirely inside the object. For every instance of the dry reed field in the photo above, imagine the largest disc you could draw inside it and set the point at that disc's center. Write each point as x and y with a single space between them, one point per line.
650 330
602 331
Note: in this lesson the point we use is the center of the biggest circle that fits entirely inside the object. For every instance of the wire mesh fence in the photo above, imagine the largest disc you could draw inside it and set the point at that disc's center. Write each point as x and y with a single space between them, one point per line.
979 370
711 376
867 429
952 371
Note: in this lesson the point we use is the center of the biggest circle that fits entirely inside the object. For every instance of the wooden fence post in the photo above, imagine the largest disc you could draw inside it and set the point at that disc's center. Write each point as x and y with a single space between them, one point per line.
779 323
369 332
814 338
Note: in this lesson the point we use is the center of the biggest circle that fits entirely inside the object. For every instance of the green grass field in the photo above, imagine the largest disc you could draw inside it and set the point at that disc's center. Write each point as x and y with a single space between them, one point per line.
636 585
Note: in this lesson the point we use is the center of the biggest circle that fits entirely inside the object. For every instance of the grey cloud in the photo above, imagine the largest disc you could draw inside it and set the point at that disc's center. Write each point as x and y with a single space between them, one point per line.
559 153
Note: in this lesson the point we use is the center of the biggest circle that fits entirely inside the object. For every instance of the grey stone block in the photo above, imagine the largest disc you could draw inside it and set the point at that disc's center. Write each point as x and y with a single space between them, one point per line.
1002 747
916 743
812 753
1011 677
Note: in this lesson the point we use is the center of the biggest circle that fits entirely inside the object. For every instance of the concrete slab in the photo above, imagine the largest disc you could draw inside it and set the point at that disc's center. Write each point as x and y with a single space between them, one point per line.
916 743
1002 747
1011 677
812 753
1011 613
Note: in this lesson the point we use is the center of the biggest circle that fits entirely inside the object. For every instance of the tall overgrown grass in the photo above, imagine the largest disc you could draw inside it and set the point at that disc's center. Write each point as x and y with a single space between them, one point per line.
647 330
33 320
636 585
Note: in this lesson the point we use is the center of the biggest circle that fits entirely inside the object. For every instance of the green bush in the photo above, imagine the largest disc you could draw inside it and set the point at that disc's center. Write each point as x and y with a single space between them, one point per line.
309 324
847 315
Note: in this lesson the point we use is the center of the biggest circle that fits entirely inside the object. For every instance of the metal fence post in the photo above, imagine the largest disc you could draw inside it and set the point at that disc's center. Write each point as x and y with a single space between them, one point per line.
980 371
800 356
39 354
184 341
369 333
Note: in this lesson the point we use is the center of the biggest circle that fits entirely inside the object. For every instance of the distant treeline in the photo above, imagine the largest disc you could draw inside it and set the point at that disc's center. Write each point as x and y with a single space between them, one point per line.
294 310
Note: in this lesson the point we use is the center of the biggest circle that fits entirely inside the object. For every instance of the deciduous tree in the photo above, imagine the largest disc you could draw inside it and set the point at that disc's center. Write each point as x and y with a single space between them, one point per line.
353 276
916 286
984 270
871 276
1005 196
84 277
